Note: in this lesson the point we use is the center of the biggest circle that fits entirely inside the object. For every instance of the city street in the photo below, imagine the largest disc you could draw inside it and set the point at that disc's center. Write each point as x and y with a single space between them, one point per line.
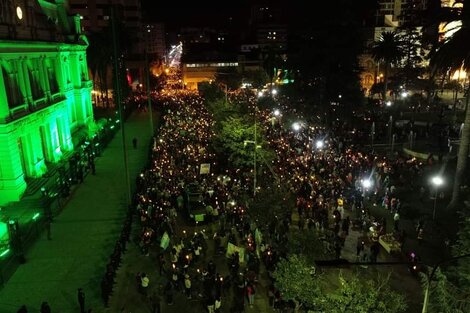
83 235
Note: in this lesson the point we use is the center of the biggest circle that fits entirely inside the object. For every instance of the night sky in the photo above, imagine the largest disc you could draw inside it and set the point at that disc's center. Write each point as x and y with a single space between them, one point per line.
203 13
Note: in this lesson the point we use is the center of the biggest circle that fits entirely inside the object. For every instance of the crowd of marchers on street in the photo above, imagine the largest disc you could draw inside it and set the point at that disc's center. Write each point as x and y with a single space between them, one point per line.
331 183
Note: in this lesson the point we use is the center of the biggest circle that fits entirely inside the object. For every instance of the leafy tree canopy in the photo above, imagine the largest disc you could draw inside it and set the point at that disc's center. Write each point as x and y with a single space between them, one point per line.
234 139
295 280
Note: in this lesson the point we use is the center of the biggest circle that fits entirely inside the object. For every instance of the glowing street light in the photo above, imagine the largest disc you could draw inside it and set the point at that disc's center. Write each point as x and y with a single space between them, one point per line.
436 181
274 92
277 112
404 94
260 94
388 103
296 126
366 183
320 144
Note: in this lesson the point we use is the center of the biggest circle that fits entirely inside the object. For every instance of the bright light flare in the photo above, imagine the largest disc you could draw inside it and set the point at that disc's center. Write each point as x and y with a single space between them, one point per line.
366 183
437 181
296 126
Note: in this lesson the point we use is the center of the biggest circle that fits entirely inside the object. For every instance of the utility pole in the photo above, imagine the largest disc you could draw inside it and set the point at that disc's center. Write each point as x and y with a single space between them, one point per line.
430 277
254 157
372 134
119 103
147 70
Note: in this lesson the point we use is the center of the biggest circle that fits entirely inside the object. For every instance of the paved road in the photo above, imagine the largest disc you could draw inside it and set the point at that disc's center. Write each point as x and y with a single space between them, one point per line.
83 236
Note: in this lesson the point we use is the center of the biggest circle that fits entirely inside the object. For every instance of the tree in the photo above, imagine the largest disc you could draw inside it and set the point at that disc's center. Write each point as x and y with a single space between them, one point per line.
450 55
359 295
100 54
232 139
296 280
271 61
229 77
410 39
257 78
99 58
444 296
308 244
270 203
388 51
210 92
462 247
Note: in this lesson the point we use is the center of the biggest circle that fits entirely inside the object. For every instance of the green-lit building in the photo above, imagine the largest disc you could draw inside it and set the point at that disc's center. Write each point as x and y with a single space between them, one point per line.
45 91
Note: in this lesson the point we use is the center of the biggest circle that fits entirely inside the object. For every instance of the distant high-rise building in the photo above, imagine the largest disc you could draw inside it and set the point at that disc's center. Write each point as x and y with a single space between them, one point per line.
400 12
268 27
156 43
95 15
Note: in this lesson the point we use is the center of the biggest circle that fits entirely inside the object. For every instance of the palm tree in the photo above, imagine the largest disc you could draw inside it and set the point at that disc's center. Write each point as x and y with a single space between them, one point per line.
99 58
450 55
388 51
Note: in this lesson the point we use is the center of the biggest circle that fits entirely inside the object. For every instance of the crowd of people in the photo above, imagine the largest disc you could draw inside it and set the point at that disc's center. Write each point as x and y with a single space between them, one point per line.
326 179
115 258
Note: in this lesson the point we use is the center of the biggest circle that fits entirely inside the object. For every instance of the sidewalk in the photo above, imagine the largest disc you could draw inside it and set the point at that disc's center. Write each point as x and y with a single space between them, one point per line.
83 235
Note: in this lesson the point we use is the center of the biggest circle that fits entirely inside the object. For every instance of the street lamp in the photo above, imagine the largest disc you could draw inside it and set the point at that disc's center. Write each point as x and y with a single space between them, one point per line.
277 112
404 94
388 103
260 94
436 181
274 92
245 142
366 183
296 126
320 144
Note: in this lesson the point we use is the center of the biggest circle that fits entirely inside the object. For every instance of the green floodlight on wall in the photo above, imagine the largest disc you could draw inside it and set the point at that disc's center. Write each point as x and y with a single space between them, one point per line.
4 235
4 252
36 216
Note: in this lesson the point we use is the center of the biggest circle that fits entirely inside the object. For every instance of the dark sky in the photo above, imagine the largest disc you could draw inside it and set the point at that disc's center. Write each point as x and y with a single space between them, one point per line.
202 12
181 12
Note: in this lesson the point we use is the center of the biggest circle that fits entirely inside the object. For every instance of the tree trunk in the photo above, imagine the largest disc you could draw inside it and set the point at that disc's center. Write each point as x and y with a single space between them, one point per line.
430 89
384 92
462 157
298 305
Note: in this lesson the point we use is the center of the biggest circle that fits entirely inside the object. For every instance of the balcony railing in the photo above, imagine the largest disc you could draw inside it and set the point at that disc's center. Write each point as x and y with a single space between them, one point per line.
87 84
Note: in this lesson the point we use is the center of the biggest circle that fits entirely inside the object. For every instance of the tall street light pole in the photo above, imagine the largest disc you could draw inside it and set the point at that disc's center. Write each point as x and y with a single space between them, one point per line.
430 277
119 103
254 156
147 71
436 181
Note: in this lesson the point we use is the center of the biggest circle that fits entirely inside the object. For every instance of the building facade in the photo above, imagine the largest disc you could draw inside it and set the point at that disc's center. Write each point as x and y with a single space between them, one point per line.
156 43
95 15
45 92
